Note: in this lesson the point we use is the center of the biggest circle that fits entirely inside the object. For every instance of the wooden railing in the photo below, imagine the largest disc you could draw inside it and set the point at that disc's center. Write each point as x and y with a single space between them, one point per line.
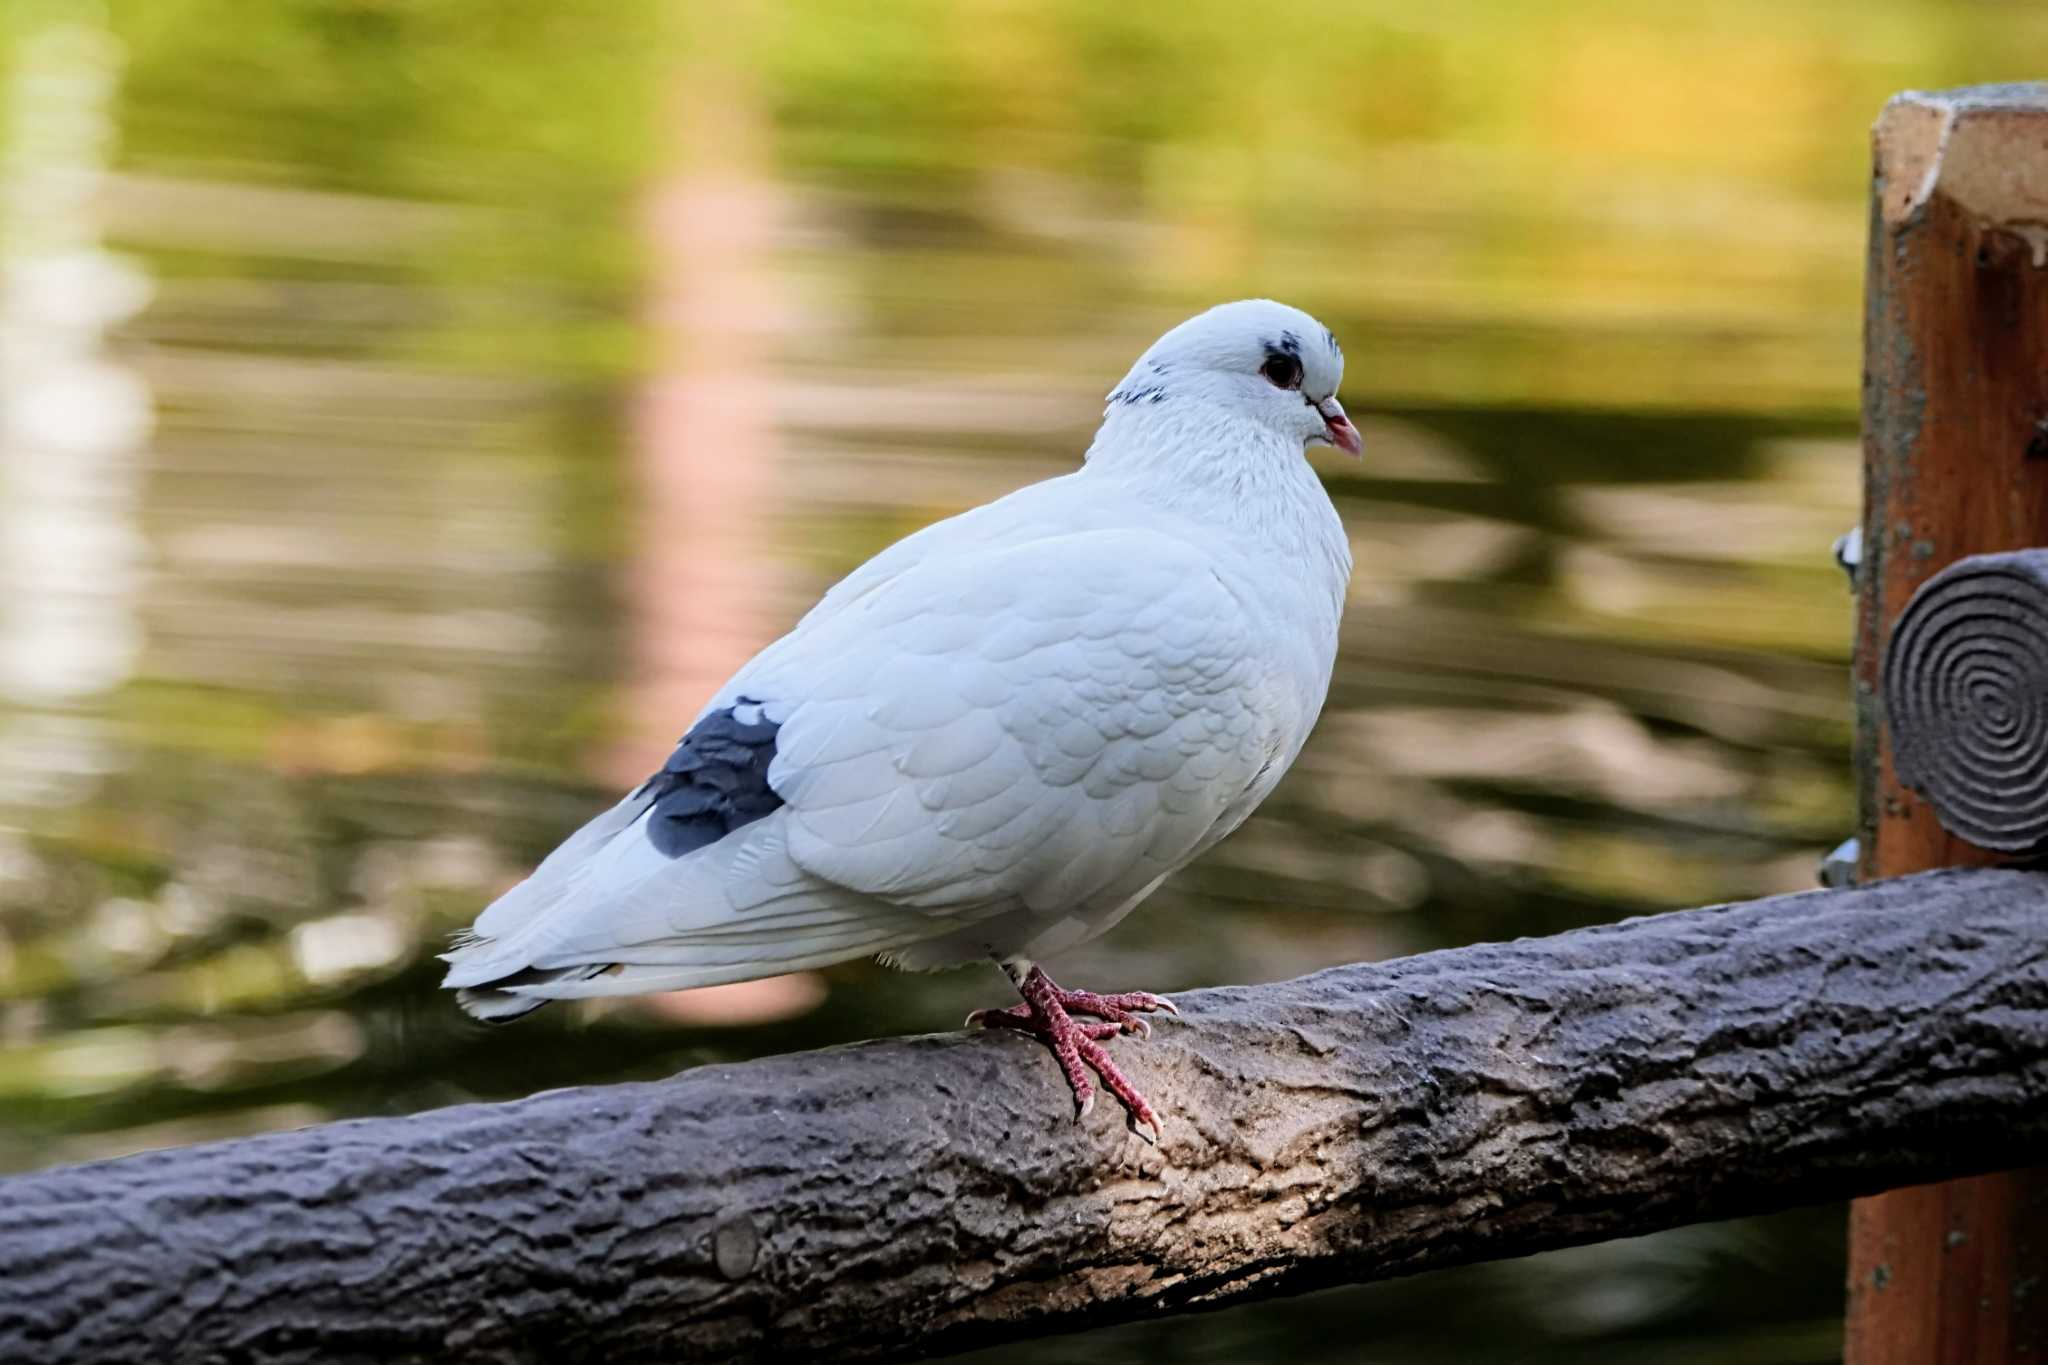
926 1194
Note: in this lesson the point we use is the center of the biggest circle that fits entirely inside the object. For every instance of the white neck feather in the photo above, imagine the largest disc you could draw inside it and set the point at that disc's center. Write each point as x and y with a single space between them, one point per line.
1205 462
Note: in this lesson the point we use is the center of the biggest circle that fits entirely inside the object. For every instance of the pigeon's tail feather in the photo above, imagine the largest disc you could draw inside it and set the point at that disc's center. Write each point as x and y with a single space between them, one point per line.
515 995
495 1003
495 1007
519 938
624 923
555 881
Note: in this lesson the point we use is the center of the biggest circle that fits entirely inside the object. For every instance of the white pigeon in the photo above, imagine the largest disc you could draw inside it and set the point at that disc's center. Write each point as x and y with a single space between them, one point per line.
997 736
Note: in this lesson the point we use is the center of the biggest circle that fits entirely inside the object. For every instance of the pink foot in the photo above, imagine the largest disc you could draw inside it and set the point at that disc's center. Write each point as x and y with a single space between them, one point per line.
1077 1046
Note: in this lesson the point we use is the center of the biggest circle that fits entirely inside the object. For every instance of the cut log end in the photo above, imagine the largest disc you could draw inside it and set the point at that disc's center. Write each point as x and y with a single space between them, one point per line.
1966 691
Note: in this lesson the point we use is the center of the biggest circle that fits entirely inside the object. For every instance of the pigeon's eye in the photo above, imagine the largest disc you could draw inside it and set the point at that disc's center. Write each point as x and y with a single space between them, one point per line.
1282 370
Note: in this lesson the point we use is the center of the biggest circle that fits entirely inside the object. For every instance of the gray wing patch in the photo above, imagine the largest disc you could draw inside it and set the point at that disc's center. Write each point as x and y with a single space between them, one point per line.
715 781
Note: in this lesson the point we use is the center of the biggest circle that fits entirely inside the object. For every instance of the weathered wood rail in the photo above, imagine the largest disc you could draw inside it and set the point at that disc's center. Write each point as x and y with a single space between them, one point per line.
927 1194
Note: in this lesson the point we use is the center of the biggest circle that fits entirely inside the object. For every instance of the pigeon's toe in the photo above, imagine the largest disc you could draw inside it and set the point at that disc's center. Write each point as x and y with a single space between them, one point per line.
1048 1014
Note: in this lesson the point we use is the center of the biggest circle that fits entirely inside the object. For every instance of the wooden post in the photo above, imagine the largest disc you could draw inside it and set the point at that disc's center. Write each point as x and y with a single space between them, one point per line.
1955 439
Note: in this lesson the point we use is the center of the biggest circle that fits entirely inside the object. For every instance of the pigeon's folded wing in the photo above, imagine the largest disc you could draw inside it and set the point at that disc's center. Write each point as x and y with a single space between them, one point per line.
1011 731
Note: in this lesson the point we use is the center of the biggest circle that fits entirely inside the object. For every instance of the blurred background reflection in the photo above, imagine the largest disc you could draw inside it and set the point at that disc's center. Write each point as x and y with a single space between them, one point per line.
410 411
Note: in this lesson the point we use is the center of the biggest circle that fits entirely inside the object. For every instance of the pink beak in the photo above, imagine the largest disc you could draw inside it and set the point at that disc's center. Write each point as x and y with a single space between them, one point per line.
1342 434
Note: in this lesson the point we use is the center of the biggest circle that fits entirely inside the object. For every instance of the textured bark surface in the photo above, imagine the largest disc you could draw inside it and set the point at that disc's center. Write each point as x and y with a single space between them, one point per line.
1955 442
925 1194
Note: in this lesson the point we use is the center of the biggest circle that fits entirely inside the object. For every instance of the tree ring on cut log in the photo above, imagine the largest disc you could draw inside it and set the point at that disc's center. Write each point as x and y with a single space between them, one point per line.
1966 694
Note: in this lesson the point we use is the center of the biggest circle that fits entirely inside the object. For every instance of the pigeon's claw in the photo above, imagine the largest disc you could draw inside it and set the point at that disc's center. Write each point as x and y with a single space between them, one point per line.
1019 1017
1119 1009
1047 1014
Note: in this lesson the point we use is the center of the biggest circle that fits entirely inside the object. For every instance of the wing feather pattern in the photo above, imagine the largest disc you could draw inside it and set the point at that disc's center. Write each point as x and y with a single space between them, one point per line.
966 740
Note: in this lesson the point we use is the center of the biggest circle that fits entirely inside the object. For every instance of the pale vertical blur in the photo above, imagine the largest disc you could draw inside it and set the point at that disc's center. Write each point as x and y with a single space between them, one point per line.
73 419
698 596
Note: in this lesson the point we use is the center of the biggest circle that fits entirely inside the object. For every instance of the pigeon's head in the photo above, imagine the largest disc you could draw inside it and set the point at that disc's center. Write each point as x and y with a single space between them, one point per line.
1259 359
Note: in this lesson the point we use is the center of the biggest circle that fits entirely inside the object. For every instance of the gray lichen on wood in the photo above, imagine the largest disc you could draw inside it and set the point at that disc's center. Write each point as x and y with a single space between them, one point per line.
926 1194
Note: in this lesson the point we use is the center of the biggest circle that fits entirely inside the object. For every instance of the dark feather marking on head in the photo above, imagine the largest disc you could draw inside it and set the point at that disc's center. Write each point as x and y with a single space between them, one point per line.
1331 337
715 781
1289 343
1152 393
